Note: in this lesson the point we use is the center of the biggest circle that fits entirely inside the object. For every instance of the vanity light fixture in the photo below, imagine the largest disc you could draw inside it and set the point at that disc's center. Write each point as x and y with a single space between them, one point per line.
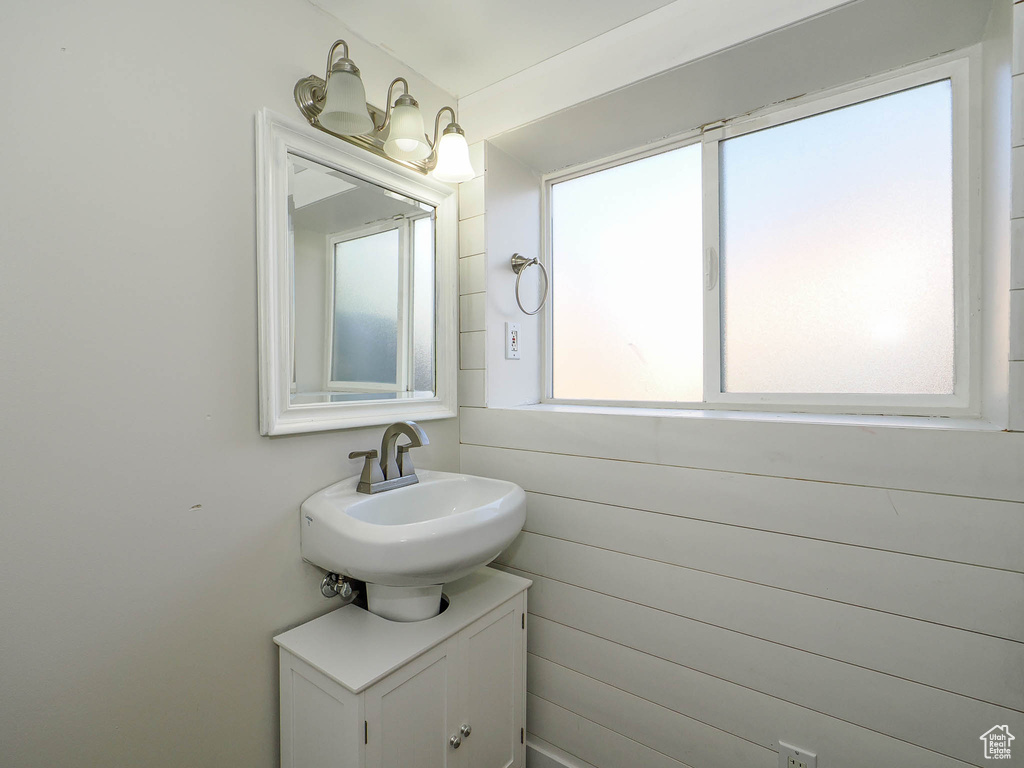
344 98
337 105
406 139
453 164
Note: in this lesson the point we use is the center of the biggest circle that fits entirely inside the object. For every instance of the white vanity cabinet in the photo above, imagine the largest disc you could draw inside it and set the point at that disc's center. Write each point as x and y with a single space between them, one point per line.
448 692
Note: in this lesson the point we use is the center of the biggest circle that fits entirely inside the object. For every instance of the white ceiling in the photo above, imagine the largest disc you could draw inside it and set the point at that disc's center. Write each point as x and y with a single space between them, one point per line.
466 45
310 182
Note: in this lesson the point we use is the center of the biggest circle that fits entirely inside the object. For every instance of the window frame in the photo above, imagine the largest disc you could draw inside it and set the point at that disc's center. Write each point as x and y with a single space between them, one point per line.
965 399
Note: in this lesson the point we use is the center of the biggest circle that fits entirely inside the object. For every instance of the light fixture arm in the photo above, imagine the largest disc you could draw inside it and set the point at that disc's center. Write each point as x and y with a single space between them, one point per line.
387 114
437 123
330 57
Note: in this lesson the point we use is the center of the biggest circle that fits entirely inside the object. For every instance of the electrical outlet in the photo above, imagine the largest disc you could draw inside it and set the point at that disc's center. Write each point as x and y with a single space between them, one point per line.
796 757
512 341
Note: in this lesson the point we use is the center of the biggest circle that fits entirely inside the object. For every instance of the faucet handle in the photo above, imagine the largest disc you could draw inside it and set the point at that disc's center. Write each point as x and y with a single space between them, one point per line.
405 466
371 469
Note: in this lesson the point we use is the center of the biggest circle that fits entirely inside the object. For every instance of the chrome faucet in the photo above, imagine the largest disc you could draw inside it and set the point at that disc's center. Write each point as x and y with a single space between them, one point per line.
395 469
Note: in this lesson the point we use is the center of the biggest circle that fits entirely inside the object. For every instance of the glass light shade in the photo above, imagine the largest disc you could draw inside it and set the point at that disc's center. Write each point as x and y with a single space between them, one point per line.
406 140
344 109
453 163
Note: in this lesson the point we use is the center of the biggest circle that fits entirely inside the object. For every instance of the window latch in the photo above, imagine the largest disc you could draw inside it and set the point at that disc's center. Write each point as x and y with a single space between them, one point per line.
710 269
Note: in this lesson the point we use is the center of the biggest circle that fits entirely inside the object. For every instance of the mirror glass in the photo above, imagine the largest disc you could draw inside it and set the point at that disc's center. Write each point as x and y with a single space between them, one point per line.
362 306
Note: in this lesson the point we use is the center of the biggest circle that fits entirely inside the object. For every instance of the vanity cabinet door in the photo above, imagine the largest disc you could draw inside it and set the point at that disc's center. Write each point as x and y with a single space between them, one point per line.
492 688
411 714
321 722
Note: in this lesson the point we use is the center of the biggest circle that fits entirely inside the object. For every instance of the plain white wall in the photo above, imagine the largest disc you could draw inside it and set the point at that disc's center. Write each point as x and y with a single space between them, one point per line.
148 535
310 252
513 226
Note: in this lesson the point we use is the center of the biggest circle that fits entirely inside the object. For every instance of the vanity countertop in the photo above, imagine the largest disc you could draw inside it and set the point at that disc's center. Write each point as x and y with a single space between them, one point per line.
356 648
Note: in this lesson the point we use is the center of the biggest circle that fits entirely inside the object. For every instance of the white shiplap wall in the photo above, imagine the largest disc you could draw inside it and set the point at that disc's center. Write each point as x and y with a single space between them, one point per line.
1017 228
706 587
703 589
472 284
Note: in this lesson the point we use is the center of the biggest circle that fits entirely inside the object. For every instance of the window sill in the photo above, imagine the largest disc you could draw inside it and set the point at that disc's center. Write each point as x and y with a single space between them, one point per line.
831 419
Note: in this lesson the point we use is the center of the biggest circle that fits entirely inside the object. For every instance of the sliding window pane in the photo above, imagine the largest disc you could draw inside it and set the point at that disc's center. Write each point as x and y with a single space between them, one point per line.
423 304
627 281
837 250
366 295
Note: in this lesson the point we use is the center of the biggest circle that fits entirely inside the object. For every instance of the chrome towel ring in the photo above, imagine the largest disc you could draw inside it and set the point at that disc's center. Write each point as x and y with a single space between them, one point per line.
519 265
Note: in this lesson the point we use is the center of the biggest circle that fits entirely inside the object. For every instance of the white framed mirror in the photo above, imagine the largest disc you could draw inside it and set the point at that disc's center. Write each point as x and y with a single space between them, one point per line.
357 285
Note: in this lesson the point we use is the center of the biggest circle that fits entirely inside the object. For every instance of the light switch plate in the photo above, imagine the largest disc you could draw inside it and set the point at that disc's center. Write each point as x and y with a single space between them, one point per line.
512 341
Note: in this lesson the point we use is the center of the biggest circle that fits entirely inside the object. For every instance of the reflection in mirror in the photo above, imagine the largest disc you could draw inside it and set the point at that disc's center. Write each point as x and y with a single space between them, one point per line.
362 308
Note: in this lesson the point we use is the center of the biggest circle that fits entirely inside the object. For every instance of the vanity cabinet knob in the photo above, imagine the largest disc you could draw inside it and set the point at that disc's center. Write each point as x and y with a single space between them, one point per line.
466 730
455 741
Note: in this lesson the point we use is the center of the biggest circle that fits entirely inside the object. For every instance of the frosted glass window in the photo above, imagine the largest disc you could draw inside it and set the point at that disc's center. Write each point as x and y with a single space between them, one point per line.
626 262
366 300
837 250
423 304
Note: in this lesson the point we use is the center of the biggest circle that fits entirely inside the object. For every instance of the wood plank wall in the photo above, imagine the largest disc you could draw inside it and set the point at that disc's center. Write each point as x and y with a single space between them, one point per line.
706 587
703 589
472 283
1017 227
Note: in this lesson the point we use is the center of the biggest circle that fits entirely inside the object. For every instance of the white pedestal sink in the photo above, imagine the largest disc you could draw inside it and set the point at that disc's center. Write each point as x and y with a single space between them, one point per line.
407 542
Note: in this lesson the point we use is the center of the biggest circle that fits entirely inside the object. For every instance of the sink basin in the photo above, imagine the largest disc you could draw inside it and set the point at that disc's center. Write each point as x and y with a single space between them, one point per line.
407 542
